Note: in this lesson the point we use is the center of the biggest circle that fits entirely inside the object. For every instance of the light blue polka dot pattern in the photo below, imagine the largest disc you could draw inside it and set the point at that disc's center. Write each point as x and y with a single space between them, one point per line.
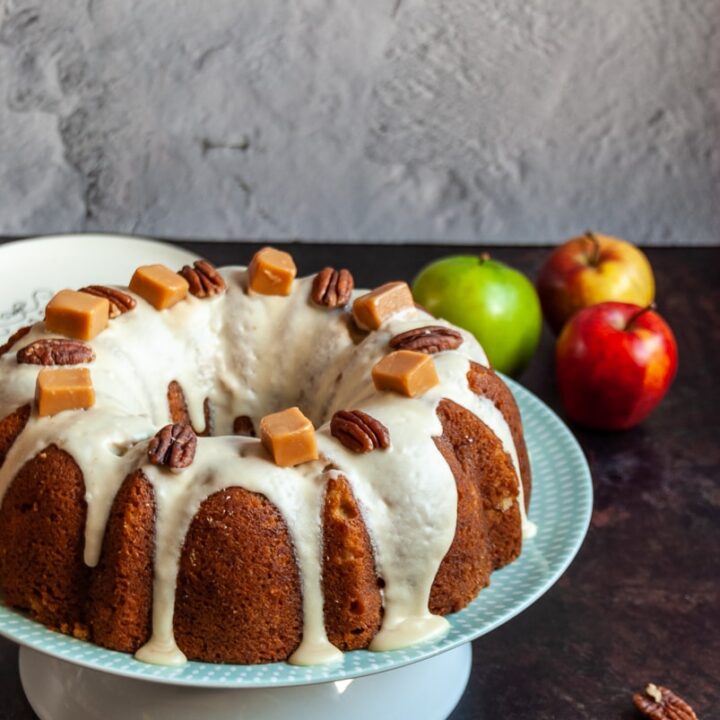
561 507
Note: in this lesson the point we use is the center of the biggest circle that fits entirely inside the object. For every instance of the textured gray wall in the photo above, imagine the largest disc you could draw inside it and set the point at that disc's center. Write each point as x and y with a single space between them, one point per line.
440 120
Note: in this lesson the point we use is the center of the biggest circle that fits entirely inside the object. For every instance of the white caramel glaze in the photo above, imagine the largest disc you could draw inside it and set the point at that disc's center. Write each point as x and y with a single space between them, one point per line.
253 354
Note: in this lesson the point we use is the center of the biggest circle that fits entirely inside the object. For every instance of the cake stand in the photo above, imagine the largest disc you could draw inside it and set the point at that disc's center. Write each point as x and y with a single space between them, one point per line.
428 690
68 679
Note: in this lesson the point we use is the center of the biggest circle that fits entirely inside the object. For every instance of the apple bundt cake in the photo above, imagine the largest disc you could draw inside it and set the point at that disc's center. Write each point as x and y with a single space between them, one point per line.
244 466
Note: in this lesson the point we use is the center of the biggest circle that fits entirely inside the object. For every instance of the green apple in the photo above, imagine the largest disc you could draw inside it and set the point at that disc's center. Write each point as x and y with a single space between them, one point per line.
496 303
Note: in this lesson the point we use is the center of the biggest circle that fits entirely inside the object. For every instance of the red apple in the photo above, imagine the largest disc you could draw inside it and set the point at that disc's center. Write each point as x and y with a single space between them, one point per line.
592 269
615 362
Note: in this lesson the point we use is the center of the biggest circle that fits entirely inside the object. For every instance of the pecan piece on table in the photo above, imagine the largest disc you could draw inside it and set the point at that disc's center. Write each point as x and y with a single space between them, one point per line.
659 703
120 302
17 335
203 278
174 446
243 425
332 287
358 431
55 352
429 339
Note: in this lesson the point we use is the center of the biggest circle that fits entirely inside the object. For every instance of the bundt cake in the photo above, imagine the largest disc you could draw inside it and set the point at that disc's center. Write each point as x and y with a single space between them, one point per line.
164 491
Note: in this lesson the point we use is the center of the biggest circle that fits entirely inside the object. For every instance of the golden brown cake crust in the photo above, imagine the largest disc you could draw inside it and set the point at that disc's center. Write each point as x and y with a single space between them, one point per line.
42 536
179 412
238 595
484 381
120 601
480 454
353 604
10 427
467 565
176 403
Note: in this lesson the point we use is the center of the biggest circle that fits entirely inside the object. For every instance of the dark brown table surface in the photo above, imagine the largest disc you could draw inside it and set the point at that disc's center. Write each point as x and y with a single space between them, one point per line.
641 602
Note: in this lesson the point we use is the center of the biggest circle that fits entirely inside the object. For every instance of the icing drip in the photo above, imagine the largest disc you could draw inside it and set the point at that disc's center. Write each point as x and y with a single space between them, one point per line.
296 492
409 484
225 349
105 462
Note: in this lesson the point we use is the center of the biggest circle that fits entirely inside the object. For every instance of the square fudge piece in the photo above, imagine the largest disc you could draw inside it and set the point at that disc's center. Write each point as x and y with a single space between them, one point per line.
271 272
159 285
373 308
59 389
77 314
289 437
406 372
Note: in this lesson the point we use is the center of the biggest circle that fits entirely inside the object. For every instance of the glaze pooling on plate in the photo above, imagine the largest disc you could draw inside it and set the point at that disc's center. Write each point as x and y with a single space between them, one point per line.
226 349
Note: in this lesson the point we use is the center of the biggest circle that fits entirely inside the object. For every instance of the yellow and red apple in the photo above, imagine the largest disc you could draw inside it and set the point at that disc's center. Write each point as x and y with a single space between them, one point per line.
615 362
591 269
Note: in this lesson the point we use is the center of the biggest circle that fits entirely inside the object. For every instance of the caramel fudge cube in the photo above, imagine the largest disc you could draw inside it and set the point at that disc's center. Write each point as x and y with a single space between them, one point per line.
373 308
271 272
289 437
59 389
77 315
159 285
406 372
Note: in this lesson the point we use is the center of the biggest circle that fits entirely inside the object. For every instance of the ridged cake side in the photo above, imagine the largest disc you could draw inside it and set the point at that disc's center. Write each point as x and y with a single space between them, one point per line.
235 559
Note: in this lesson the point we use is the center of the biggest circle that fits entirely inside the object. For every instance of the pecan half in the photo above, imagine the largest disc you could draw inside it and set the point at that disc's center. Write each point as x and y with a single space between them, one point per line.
203 278
332 287
243 425
659 703
173 446
120 302
55 352
429 339
17 335
358 431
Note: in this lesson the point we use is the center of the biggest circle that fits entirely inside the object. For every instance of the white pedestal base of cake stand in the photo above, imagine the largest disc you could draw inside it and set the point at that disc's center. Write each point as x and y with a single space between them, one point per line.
427 690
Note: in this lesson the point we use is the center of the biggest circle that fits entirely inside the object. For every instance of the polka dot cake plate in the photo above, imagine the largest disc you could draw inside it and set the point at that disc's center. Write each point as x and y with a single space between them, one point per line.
64 677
